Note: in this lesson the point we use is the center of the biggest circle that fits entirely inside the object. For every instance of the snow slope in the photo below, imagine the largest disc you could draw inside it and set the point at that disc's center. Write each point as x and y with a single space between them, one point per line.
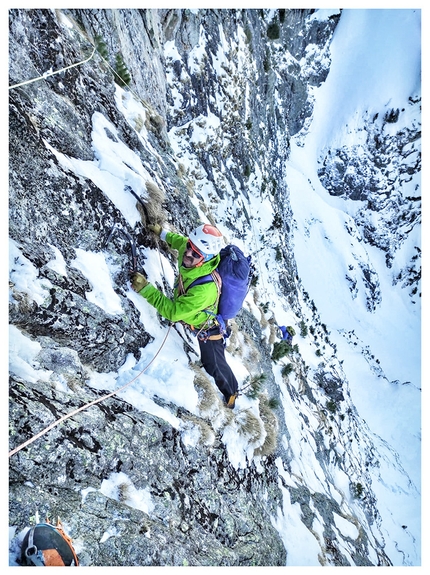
364 76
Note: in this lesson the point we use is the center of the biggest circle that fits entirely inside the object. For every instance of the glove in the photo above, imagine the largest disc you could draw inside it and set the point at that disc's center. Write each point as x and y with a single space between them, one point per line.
138 281
156 229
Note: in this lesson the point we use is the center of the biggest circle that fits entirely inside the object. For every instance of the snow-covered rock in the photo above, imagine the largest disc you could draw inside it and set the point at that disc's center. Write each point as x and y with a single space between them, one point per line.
147 467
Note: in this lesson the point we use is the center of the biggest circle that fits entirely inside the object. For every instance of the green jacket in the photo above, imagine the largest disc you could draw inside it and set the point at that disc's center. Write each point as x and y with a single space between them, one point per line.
188 307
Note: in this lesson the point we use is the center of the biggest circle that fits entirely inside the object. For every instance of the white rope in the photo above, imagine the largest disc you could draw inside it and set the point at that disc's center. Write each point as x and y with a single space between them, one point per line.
67 416
48 74
57 422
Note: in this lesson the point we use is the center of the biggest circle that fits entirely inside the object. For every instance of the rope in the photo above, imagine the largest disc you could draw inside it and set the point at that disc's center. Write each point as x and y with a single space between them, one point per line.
48 74
72 413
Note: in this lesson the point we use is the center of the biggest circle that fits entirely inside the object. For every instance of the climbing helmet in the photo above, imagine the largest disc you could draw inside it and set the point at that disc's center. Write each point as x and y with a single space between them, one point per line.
208 240
45 545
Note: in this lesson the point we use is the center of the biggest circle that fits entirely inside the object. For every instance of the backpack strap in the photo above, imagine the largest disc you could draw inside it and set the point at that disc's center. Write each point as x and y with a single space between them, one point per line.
212 277
218 319
200 281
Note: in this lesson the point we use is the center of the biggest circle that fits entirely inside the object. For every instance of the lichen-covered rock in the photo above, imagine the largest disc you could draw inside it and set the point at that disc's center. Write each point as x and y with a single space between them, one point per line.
199 511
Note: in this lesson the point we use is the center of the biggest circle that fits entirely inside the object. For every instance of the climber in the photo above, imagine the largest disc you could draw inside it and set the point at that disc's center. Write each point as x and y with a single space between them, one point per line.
195 306
287 333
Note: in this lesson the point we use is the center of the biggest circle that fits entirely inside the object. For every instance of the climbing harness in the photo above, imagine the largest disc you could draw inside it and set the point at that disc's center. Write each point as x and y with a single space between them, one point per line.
46 545
204 335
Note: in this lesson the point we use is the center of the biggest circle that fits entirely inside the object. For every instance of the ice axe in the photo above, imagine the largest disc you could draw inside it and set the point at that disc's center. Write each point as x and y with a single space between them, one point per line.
117 227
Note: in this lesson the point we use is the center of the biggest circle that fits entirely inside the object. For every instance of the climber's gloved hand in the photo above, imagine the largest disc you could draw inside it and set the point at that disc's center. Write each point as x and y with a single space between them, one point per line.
156 229
138 281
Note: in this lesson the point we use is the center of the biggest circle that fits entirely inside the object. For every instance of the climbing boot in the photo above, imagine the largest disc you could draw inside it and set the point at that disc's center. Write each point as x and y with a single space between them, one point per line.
232 400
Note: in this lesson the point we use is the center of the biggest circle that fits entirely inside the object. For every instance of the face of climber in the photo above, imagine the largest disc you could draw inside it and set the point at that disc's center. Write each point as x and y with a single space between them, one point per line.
192 257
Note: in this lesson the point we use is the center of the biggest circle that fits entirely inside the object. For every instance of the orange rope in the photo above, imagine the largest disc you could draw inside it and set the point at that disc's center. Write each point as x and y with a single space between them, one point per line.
29 441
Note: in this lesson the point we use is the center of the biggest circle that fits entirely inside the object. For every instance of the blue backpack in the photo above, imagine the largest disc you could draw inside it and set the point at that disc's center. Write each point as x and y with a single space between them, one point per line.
236 271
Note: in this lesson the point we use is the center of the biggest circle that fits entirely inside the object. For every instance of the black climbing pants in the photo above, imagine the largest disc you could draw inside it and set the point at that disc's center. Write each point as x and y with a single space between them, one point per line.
213 360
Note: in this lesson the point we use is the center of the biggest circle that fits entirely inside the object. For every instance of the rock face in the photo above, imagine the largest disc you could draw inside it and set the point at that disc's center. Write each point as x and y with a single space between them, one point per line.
200 509
376 174
197 518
